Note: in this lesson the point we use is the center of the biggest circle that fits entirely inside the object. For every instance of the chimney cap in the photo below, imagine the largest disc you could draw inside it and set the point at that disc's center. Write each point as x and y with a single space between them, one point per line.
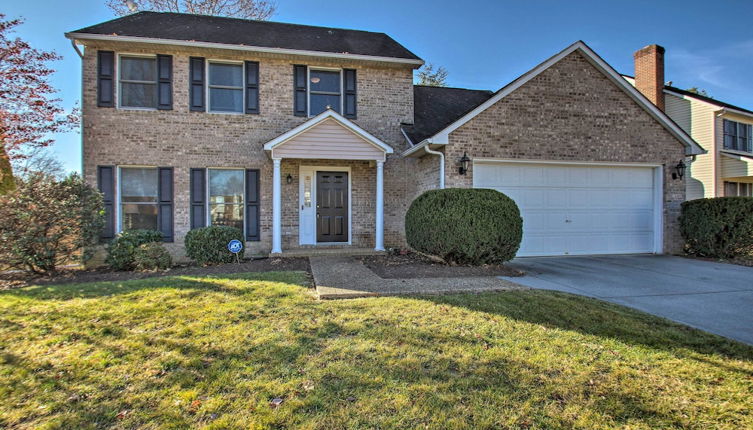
649 50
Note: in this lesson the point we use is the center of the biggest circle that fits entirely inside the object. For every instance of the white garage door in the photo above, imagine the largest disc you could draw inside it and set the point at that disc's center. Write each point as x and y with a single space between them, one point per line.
579 209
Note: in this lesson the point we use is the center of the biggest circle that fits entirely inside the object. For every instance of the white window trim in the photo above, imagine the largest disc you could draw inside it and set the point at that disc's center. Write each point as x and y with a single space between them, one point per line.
207 86
308 87
118 203
118 91
208 206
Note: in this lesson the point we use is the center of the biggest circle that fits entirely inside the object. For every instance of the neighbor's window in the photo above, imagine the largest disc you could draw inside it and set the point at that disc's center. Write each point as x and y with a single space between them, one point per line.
225 87
738 136
226 189
138 82
138 198
324 91
735 189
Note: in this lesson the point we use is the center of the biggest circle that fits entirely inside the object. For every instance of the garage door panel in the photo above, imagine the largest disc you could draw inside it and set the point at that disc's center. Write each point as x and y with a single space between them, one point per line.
581 210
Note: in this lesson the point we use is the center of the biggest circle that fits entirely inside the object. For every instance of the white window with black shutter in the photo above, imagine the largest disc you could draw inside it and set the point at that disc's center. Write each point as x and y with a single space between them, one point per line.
222 86
318 89
145 199
226 196
145 81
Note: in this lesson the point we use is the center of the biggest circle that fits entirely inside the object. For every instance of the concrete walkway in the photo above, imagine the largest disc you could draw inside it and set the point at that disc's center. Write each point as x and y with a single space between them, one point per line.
714 297
346 277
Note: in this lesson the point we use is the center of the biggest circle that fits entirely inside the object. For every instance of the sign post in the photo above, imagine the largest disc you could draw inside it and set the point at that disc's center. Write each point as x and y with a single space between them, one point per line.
235 246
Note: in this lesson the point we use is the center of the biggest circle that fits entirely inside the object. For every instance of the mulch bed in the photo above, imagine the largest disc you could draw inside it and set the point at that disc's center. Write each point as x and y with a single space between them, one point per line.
17 280
416 266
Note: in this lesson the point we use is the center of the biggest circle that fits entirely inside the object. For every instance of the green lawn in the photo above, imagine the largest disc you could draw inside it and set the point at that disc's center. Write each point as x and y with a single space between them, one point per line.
213 352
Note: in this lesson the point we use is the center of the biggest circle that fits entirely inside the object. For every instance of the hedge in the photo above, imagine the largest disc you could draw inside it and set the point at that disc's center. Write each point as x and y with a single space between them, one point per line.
151 256
208 245
719 227
120 252
465 226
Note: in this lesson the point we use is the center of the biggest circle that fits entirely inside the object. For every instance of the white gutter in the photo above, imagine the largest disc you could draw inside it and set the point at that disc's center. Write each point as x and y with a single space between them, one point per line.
264 49
441 164
78 51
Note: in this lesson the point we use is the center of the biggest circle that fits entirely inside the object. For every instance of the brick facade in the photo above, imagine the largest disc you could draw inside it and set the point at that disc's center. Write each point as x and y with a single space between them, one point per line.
183 140
572 112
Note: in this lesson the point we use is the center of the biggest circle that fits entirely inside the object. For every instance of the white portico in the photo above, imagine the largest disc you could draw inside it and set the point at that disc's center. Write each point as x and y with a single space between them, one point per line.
325 212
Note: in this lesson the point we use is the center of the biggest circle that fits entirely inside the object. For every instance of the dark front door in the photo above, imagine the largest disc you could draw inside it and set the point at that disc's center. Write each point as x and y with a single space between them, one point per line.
331 207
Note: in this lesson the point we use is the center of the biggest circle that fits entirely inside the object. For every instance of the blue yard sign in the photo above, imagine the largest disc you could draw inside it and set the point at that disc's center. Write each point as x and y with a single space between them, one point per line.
235 246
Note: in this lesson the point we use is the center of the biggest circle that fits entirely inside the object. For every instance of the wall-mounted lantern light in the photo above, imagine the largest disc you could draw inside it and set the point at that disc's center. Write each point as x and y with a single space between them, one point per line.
289 178
679 170
464 164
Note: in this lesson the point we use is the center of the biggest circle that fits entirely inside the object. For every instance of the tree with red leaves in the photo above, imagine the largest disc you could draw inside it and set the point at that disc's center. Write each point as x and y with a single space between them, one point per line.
29 110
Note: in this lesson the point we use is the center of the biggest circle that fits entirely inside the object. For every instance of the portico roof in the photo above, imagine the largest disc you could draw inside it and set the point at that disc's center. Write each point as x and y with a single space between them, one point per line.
328 135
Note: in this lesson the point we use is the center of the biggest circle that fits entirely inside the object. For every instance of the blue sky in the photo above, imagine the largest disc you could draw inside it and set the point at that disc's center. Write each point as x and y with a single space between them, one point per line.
483 44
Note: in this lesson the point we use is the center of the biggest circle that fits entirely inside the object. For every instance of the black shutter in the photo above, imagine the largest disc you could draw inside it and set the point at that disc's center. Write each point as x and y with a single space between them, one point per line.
300 102
196 81
252 87
106 185
198 198
350 86
164 82
252 204
165 198
105 78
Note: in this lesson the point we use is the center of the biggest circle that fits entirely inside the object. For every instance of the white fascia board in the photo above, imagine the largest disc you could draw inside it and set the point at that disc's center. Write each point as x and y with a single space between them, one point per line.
719 108
263 49
692 148
329 113
416 149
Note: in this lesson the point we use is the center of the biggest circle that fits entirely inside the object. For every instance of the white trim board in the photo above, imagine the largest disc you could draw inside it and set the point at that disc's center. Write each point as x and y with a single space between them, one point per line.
214 45
329 113
692 148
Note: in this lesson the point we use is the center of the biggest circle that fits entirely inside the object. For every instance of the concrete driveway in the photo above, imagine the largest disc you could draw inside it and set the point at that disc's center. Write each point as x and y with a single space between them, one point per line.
714 297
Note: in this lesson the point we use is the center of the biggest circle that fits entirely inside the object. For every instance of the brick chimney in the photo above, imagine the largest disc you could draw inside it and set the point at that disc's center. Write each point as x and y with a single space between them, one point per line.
649 73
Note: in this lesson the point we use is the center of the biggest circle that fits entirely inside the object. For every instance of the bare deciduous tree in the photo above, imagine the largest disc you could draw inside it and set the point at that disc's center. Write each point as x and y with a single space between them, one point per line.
248 9
435 78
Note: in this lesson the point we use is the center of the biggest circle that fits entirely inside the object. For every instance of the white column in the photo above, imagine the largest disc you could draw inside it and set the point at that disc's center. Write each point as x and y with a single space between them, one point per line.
379 237
276 208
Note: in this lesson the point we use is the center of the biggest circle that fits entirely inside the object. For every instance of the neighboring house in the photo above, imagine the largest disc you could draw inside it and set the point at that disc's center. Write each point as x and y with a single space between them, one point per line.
724 130
316 137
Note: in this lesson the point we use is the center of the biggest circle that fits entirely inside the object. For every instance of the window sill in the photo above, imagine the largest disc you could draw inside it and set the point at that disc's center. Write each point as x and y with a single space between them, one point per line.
142 109
737 152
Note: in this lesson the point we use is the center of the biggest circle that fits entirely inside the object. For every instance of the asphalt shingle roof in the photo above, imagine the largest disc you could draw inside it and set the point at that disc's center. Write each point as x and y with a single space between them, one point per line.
437 107
234 31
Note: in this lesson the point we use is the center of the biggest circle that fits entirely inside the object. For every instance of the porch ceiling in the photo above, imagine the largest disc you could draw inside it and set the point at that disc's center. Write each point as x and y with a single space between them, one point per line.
328 136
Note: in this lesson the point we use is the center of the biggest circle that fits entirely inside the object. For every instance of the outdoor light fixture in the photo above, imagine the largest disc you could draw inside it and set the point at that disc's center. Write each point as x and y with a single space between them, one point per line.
289 178
464 164
679 170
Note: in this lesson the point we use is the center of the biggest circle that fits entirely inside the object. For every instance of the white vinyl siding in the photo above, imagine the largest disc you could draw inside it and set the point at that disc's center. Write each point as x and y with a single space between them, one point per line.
329 139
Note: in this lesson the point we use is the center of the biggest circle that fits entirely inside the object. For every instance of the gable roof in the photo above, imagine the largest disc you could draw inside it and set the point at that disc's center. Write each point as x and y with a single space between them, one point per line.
692 148
436 107
327 114
265 36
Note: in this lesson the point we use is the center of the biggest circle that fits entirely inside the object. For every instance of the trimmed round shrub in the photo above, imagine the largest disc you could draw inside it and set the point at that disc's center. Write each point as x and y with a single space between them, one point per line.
208 245
719 227
465 226
152 256
121 249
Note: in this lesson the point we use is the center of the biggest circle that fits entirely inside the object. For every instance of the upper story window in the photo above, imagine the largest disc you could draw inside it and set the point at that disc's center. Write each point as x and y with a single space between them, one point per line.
738 136
138 82
225 87
325 91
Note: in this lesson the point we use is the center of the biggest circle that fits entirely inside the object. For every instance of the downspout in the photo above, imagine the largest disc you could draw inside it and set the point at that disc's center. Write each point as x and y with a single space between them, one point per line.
75 47
441 164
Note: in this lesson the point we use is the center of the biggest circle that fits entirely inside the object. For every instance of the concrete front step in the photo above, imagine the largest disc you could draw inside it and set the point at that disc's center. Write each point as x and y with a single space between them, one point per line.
334 251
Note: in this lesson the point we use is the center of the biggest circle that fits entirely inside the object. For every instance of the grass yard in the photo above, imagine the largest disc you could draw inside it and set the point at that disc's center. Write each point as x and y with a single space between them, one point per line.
214 352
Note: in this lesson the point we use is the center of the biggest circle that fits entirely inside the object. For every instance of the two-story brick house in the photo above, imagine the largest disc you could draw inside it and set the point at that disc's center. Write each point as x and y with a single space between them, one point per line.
308 136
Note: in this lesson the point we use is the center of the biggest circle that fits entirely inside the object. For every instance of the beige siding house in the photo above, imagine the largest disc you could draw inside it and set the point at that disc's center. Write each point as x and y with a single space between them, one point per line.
722 129
309 138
